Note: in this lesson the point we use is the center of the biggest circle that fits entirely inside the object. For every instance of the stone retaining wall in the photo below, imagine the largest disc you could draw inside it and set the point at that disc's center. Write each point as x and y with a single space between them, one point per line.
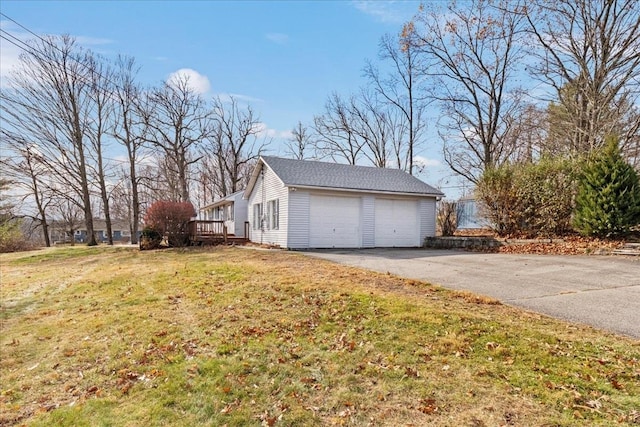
458 242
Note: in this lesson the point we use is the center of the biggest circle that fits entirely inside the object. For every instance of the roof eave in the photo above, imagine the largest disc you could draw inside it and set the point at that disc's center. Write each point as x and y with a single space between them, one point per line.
227 200
360 190
222 202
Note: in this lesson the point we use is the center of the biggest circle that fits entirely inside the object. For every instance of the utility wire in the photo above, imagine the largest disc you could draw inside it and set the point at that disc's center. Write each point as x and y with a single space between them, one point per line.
53 45
42 57
32 50
27 48
19 43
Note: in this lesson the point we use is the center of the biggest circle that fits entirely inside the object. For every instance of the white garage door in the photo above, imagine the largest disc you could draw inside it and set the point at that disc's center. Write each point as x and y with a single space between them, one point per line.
334 222
396 223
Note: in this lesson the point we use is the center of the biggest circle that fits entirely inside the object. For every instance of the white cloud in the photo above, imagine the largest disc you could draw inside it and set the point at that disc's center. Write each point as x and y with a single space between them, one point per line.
424 162
286 134
388 12
239 98
278 38
263 131
199 83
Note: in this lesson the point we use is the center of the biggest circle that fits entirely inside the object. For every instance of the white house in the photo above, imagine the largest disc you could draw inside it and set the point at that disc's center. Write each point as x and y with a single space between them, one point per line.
231 209
301 204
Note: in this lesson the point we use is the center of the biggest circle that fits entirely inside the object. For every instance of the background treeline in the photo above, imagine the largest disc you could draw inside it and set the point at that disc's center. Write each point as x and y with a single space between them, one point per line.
521 94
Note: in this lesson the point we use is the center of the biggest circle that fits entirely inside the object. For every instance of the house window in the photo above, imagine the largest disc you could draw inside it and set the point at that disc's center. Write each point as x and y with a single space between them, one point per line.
273 212
257 216
229 215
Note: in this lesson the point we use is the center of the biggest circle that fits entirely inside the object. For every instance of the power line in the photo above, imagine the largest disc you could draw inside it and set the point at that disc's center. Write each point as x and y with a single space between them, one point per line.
21 26
31 50
18 43
90 69
41 56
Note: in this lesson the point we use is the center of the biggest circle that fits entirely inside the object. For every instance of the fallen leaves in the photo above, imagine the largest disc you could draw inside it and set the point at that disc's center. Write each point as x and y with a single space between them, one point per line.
428 406
476 299
126 380
570 245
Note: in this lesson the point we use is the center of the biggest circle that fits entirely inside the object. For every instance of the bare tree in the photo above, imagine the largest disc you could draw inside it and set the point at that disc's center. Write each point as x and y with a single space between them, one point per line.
151 185
129 130
362 127
100 94
380 129
47 104
471 53
233 145
300 142
589 54
336 137
529 135
121 198
22 164
177 122
69 213
400 89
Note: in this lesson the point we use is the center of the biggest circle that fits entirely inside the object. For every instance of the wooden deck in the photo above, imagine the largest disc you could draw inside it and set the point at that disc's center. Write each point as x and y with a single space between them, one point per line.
214 232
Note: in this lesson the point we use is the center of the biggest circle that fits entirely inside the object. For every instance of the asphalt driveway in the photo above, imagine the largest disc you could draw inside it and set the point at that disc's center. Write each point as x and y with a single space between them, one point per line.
601 291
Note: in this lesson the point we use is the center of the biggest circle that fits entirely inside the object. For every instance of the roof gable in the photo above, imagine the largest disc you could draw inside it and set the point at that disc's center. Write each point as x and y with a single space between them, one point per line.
308 173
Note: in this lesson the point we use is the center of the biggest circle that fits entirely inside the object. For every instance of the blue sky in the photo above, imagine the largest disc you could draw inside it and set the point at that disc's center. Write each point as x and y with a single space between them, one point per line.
283 57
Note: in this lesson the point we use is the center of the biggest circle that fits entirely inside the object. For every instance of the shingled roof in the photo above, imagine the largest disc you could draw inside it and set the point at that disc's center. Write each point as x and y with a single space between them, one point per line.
308 173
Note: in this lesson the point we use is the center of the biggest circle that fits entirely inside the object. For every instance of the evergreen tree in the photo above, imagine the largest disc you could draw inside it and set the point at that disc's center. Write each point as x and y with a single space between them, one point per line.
608 200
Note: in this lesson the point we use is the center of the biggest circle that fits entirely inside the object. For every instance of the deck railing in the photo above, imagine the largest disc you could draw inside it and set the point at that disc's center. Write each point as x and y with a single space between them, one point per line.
207 228
210 231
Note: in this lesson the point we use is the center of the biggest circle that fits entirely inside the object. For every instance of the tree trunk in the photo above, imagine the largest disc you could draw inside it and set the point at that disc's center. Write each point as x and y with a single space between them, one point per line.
86 194
135 202
38 200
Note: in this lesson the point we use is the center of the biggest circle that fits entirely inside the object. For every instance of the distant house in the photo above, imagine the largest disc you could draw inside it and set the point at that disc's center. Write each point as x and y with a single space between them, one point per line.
301 204
60 232
231 209
119 228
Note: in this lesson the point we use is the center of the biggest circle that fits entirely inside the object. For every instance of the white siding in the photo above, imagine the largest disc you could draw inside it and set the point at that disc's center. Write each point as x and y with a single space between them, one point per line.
269 187
427 218
239 216
299 215
368 221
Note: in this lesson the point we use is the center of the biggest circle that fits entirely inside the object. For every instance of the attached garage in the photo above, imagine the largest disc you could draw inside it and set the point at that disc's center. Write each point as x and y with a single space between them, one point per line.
396 223
334 222
301 204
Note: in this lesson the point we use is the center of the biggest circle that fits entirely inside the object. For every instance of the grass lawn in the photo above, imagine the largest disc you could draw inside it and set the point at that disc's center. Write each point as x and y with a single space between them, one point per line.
240 337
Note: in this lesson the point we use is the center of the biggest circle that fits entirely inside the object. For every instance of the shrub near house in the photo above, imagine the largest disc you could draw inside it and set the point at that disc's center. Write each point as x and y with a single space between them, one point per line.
529 199
555 196
168 219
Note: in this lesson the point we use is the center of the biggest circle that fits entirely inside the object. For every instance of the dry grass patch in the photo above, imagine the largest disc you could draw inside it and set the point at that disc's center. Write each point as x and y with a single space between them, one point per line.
230 336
